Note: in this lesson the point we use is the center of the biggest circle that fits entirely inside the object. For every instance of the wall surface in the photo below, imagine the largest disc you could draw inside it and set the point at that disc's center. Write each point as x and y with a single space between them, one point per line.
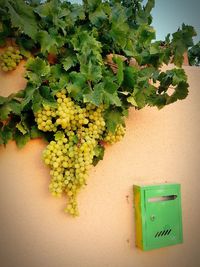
159 146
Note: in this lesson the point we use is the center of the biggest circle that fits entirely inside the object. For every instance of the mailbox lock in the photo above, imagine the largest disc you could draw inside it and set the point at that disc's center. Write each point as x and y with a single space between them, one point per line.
152 218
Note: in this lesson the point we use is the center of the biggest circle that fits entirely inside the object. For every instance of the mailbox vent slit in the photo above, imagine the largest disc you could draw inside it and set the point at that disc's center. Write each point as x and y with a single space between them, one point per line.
162 233
169 231
156 234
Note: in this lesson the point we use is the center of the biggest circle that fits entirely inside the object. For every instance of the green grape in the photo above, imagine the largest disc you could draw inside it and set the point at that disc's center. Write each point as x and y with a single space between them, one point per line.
70 156
117 136
10 48
10 59
4 68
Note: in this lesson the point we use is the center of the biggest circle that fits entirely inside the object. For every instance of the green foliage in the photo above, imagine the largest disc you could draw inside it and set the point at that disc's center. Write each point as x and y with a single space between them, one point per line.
9 105
175 81
21 139
113 117
99 154
67 45
6 134
22 17
194 55
182 40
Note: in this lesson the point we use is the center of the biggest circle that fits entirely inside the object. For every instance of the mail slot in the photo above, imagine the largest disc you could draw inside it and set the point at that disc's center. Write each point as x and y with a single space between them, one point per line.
158 215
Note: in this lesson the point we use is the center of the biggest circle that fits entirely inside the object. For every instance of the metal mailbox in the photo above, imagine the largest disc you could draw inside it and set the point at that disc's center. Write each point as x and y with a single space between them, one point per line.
158 215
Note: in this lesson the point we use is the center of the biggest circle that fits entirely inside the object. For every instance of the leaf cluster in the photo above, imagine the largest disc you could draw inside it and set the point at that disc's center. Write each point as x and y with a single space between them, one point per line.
67 45
194 55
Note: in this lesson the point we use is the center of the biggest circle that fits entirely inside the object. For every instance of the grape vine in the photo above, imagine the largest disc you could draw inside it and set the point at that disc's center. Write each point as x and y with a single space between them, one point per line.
86 65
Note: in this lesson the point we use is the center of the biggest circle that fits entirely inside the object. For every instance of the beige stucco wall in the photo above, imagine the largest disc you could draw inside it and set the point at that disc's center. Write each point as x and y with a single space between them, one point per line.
159 146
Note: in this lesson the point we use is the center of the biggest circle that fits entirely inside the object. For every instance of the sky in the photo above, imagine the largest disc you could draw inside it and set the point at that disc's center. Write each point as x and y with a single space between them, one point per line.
168 16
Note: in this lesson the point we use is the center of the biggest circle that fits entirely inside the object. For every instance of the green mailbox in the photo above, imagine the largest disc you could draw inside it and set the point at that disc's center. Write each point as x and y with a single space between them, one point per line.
158 215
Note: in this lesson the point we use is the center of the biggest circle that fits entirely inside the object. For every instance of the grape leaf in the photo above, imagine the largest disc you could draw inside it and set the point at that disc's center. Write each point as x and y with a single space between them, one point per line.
155 48
44 9
15 106
58 79
75 90
194 55
37 101
111 99
35 132
180 92
57 14
3 100
143 15
101 94
178 76
91 4
132 100
21 139
47 96
113 117
92 72
5 110
98 16
76 85
60 84
149 6
99 154
68 63
11 106
89 55
37 70
119 28
47 41
96 96
182 39
175 79
56 71
130 77
141 95
145 34
22 17
38 66
77 12
29 91
120 69
6 134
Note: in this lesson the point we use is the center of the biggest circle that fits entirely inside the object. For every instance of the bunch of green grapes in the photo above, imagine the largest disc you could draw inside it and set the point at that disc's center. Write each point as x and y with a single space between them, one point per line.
70 116
78 131
10 59
117 136
71 154
44 119
69 163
